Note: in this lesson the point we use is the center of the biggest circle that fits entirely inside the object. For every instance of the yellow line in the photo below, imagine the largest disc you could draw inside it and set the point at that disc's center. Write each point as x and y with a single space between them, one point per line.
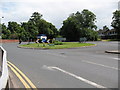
27 79
18 75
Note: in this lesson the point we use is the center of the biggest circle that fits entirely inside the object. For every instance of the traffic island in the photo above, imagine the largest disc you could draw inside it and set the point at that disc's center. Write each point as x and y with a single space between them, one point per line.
32 48
113 52
65 45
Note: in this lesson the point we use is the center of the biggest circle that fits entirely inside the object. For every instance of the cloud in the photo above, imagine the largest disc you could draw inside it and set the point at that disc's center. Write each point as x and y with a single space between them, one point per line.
55 11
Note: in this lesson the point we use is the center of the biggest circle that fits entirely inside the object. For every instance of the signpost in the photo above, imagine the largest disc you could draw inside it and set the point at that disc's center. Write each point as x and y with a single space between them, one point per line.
84 39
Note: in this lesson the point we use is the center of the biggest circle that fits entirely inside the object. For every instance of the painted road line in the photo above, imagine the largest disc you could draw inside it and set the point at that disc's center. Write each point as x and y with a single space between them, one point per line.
25 77
85 61
19 76
116 58
78 77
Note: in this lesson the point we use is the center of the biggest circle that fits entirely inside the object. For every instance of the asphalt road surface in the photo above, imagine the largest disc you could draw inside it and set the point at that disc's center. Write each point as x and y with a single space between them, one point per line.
85 67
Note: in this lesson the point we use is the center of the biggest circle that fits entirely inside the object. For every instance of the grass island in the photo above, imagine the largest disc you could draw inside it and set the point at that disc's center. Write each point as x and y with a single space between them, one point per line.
53 46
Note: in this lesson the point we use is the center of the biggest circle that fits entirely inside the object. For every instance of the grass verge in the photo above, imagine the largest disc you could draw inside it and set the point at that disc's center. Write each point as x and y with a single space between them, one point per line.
110 40
65 45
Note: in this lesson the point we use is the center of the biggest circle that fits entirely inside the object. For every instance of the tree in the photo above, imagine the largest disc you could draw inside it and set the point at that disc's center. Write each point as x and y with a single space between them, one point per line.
79 25
5 32
41 26
24 25
70 30
14 28
47 28
35 17
105 28
53 30
116 22
30 29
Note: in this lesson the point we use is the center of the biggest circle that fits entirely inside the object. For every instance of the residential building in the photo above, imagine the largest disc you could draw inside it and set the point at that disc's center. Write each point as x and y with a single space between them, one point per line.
107 34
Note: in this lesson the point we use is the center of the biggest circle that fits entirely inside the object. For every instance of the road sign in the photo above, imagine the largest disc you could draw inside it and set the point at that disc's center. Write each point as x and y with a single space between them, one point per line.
84 39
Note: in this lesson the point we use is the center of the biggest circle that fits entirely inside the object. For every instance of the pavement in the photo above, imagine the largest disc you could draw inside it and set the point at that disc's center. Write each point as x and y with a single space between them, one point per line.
85 67
114 52
14 82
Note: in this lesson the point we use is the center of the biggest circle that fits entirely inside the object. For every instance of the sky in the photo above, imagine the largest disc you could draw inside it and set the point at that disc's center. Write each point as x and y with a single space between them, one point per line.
56 11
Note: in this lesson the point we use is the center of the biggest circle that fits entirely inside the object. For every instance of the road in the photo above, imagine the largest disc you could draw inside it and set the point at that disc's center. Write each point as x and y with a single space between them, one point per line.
85 67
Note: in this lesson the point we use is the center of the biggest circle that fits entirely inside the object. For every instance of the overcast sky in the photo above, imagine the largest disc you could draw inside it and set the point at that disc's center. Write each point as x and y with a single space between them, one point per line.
56 11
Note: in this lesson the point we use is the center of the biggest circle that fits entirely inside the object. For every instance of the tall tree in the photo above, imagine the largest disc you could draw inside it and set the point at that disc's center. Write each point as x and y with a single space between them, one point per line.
53 30
14 28
88 19
29 30
35 18
70 30
5 32
79 25
47 28
116 22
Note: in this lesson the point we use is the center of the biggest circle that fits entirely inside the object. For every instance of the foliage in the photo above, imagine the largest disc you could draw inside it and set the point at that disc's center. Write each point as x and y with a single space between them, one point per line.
105 28
5 32
56 42
59 36
76 26
79 25
116 22
29 30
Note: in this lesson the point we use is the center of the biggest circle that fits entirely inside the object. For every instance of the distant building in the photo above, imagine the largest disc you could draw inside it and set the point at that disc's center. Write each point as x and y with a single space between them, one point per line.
107 34
119 5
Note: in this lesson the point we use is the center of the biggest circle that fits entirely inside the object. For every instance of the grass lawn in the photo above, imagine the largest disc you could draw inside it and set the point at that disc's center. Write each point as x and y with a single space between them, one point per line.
65 45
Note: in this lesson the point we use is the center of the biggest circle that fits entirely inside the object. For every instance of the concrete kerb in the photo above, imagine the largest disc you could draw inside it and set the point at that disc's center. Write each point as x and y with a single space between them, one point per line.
33 48
52 49
113 52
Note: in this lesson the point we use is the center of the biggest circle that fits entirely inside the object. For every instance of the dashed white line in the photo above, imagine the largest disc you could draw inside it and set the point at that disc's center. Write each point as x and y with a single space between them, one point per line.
78 77
99 64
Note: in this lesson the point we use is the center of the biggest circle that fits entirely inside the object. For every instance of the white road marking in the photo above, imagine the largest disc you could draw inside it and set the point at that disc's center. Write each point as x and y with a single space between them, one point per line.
78 77
99 64
116 58
47 68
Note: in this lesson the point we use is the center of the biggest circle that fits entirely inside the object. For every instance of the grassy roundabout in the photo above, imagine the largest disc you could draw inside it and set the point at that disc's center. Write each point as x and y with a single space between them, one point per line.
65 45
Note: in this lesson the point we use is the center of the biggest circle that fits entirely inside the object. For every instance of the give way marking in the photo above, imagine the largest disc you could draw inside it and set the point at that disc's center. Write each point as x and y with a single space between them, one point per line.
78 77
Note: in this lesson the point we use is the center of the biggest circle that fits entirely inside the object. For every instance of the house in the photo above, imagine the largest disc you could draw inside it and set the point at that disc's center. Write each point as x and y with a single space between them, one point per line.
107 34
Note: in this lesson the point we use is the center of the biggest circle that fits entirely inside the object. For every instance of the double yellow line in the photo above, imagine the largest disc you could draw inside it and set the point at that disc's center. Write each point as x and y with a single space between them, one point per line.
22 77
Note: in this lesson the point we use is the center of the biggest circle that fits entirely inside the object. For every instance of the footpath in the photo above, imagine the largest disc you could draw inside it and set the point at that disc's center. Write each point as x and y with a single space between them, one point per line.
113 52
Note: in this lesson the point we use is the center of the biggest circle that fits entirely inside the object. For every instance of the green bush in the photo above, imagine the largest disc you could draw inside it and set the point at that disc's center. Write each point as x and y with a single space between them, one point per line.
56 42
